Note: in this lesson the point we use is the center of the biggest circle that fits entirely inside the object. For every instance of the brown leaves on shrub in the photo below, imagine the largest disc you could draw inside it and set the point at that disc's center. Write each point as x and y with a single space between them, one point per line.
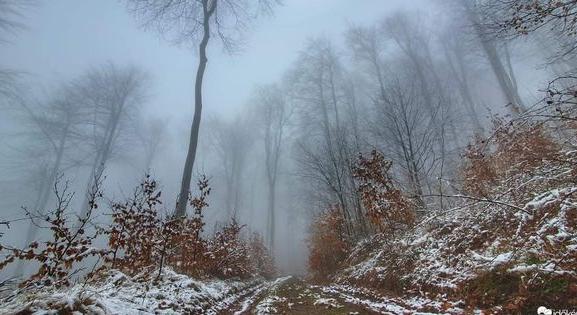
514 149
134 233
229 253
328 246
140 238
386 205
262 261
69 244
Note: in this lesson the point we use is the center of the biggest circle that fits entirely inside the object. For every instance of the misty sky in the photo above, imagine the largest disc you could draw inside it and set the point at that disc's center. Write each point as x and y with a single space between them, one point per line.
65 37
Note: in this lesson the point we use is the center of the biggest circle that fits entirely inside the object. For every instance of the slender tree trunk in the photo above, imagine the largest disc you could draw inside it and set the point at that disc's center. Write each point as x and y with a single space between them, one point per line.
272 214
413 167
510 67
357 205
237 176
506 83
180 210
334 99
53 172
229 191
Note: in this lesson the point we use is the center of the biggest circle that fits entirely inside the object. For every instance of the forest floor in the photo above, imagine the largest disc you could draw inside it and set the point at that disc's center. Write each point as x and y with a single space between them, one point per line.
291 295
117 293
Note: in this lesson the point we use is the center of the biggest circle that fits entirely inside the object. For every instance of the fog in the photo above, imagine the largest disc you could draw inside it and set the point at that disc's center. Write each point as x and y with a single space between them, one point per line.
432 64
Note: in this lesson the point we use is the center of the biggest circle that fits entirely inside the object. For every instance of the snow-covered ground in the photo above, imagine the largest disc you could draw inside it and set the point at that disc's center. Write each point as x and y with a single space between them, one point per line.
481 247
117 293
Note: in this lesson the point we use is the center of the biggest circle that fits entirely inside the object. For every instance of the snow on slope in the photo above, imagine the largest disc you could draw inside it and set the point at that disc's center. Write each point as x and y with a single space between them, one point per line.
117 293
537 241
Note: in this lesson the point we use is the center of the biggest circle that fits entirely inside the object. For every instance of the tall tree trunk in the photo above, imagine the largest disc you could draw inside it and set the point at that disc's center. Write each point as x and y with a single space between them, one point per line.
356 201
273 142
272 214
506 83
332 147
180 210
271 181
237 176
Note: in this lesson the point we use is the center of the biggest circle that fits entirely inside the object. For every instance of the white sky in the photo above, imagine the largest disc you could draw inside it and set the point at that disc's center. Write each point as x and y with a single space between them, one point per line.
65 37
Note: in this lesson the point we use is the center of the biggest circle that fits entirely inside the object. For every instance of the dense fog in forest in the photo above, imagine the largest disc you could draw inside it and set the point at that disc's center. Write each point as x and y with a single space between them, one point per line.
303 102
55 49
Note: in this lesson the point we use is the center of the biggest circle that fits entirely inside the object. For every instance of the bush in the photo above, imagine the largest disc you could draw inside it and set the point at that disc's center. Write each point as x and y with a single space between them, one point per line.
228 253
328 247
69 245
140 238
386 205
134 233
262 261
514 149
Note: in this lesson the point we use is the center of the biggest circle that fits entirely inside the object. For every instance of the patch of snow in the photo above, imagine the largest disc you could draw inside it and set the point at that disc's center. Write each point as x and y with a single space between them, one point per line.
327 302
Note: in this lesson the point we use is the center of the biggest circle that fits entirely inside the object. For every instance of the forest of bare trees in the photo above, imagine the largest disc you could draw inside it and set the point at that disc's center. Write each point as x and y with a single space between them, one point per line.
421 161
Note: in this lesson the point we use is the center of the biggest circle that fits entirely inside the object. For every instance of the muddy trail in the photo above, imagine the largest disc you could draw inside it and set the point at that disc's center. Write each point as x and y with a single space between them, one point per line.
292 295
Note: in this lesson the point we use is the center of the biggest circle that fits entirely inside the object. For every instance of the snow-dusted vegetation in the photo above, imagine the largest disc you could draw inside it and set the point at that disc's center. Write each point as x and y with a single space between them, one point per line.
117 293
509 244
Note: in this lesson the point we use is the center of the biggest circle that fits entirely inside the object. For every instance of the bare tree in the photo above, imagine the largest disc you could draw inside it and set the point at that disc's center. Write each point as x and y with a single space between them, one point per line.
326 143
232 141
51 129
556 23
274 116
409 133
367 46
456 55
112 94
8 87
194 21
505 76
552 21
409 36
412 38
11 14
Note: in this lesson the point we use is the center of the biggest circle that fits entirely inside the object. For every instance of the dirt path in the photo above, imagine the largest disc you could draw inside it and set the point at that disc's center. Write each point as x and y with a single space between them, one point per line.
290 295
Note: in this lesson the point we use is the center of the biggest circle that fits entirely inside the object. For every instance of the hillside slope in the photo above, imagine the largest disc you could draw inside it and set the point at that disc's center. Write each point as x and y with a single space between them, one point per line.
507 244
